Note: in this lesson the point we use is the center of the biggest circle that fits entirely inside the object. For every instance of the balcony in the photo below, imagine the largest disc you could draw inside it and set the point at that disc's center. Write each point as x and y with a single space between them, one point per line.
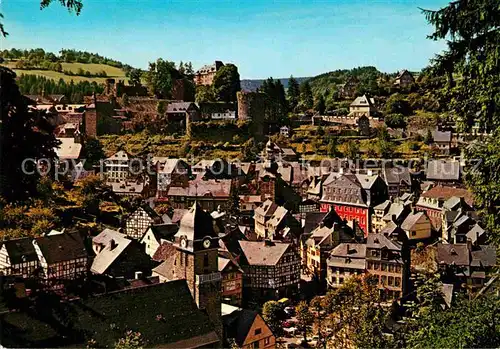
206 278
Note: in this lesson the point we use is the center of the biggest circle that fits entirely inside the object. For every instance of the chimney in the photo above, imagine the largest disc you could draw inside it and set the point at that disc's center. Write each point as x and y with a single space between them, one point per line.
112 244
268 242
393 218
348 249
469 245
138 275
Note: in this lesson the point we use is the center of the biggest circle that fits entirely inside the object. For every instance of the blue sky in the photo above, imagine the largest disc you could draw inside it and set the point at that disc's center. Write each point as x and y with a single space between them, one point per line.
262 37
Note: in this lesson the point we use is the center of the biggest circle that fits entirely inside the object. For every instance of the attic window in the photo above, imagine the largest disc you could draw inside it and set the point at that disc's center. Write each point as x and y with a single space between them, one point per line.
453 252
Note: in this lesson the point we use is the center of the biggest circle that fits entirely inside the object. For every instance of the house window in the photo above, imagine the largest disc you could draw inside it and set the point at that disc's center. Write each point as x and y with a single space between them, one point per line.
413 233
384 280
205 260
383 267
258 331
267 341
391 281
397 282
256 345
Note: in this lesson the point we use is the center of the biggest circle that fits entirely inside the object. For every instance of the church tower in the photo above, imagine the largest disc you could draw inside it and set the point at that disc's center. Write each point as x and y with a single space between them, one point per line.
197 243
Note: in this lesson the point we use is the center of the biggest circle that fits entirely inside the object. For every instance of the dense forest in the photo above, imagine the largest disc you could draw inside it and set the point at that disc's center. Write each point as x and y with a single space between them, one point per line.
33 84
38 55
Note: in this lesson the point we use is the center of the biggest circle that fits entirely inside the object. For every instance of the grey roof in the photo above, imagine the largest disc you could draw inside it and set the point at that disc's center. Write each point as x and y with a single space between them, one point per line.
68 149
443 170
164 231
457 254
475 233
441 136
378 241
396 175
396 209
114 245
362 101
20 250
348 255
196 224
411 220
277 216
263 252
239 323
62 247
383 206
176 107
483 255
266 209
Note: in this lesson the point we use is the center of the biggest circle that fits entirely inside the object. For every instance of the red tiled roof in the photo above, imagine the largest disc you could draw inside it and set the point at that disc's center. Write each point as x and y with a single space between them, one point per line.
440 192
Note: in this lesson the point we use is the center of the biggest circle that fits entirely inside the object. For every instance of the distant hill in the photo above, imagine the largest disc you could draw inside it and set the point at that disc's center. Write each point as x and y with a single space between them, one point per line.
254 84
327 83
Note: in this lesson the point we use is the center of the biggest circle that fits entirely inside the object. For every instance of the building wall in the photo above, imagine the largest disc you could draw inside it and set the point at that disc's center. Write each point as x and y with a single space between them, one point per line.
90 120
26 269
360 214
137 224
259 335
421 229
232 287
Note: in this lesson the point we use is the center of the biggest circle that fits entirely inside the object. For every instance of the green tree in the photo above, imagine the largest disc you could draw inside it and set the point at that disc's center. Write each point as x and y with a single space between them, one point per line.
320 105
304 319
93 152
470 29
332 147
134 77
273 314
351 149
397 104
483 179
428 139
204 94
226 83
293 93
395 120
306 95
24 135
276 103
159 78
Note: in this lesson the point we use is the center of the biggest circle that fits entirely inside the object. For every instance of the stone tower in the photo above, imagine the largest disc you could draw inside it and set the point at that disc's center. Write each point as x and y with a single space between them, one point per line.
196 244
252 106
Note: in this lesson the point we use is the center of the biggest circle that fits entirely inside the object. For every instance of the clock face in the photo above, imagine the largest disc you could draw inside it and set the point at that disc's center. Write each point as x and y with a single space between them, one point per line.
183 242
206 243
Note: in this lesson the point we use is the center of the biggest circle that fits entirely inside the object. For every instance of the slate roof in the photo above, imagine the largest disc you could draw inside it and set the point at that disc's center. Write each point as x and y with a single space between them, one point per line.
278 215
483 255
362 101
396 175
411 220
163 251
164 231
457 254
176 107
444 193
62 247
348 255
20 250
126 187
443 170
266 209
262 252
114 243
379 241
68 149
311 220
196 224
148 310
216 188
238 324
441 136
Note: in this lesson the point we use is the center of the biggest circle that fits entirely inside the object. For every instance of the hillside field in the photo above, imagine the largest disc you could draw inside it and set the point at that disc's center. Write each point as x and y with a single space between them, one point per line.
112 72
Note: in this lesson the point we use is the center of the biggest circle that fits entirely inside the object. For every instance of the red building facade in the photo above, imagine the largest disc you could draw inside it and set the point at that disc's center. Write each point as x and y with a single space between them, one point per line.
350 212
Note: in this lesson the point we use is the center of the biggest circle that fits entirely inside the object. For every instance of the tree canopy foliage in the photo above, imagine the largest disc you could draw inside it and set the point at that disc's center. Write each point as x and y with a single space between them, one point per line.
226 83
25 134
471 62
34 85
